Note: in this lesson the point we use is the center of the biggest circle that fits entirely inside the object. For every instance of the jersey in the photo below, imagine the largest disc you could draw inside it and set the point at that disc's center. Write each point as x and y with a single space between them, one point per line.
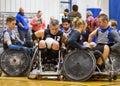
75 40
66 32
103 36
10 36
57 37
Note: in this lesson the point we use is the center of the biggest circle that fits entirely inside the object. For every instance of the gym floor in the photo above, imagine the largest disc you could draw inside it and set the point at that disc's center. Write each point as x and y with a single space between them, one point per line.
24 81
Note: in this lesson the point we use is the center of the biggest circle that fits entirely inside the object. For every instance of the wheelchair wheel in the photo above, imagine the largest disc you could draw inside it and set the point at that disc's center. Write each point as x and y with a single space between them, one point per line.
14 63
1 50
116 61
79 65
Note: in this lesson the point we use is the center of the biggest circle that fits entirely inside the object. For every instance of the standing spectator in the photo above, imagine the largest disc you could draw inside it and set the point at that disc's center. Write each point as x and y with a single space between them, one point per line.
51 18
65 16
38 23
74 13
90 22
113 23
91 25
23 26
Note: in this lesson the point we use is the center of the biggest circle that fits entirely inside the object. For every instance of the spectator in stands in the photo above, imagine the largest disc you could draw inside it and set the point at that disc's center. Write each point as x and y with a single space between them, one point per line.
90 25
65 16
105 35
10 39
66 26
51 18
23 25
74 13
113 23
38 23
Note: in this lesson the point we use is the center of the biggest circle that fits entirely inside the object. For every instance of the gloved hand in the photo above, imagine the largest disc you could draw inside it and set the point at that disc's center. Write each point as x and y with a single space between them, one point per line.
27 50
85 47
11 46
20 43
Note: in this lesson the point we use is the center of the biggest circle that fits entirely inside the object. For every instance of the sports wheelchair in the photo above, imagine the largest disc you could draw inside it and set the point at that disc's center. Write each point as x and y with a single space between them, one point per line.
44 67
14 62
80 65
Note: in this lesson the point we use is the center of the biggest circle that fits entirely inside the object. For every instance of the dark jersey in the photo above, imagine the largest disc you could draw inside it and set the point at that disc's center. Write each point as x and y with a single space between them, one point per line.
57 37
74 40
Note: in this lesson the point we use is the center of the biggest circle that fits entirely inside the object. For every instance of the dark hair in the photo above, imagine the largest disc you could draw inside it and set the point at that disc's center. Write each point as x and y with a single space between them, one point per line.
65 20
10 19
75 7
66 10
39 12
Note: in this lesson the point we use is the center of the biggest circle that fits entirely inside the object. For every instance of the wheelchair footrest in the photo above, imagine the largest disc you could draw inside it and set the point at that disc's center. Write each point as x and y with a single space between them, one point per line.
49 73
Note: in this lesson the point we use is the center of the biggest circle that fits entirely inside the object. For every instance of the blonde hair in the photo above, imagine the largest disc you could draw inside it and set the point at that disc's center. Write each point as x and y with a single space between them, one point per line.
77 22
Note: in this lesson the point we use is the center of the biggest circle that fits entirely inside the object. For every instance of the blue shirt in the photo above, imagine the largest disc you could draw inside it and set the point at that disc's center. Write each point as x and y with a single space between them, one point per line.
22 19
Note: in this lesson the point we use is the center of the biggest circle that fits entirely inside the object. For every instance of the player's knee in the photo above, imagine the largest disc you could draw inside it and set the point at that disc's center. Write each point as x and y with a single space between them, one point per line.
55 45
42 44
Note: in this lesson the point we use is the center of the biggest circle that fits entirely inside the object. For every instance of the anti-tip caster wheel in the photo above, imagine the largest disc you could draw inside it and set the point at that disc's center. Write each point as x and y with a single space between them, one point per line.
39 77
60 77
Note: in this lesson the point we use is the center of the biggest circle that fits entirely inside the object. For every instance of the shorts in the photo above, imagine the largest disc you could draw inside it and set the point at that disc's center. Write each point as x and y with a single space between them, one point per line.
99 47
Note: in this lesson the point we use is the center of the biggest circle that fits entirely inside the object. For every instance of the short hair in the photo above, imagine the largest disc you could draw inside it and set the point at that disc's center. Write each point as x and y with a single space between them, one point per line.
113 22
39 11
103 16
66 10
54 22
65 20
75 7
10 19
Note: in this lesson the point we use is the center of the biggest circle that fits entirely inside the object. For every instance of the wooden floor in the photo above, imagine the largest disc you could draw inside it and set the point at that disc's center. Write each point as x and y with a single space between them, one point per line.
23 81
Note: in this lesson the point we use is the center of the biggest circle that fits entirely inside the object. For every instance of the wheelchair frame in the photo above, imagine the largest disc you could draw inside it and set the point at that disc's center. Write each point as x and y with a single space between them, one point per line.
40 72
109 71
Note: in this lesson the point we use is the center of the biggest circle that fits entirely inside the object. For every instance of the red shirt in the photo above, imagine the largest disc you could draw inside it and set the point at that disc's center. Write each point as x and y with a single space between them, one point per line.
37 24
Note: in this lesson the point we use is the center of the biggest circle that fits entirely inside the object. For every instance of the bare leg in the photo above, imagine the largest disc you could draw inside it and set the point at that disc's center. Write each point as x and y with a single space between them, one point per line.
105 54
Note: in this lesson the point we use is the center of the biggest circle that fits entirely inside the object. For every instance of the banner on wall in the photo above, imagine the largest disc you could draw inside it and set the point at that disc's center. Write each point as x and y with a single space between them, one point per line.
114 11
95 11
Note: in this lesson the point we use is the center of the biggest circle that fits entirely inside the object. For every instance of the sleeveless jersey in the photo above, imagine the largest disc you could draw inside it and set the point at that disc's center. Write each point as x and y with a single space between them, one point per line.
103 36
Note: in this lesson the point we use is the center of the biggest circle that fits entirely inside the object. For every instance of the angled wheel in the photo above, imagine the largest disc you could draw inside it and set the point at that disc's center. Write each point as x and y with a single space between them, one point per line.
14 63
116 61
79 65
